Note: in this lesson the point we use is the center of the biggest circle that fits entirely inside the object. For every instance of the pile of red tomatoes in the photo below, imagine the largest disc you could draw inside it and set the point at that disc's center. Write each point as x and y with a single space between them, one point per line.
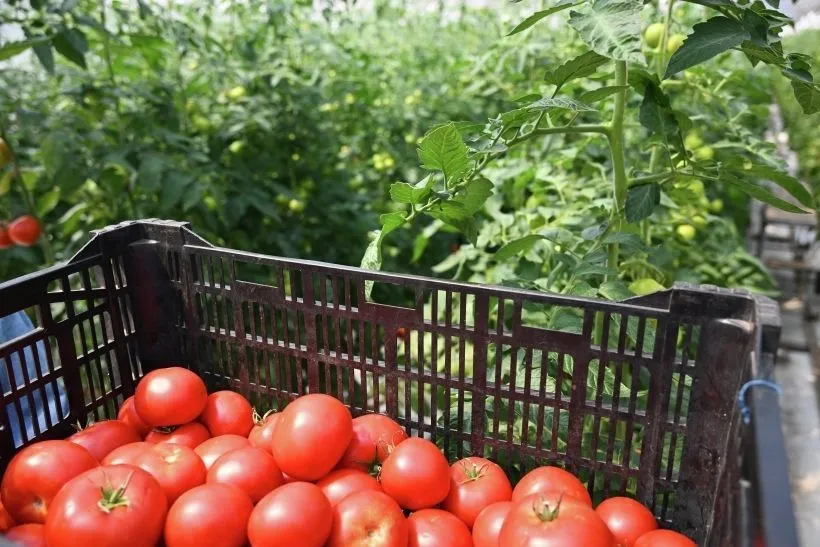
183 468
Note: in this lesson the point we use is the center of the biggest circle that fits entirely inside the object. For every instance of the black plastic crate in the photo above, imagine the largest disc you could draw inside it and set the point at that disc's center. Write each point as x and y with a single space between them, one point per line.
637 397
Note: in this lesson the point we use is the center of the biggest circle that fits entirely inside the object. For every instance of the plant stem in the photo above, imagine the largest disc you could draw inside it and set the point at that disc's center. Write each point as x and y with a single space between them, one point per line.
620 183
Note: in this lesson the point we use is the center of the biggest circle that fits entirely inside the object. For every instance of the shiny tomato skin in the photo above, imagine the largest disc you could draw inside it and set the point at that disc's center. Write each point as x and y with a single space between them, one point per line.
627 519
227 413
487 526
556 520
213 448
128 414
175 467
27 535
191 435
374 437
340 483
548 478
311 436
24 230
76 519
170 396
6 521
126 453
664 538
475 483
293 515
416 474
252 470
435 528
261 436
100 438
368 518
35 475
210 515
5 240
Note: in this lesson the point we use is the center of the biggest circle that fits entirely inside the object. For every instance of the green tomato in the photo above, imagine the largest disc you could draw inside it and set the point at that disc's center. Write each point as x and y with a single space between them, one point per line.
686 232
716 205
236 93
692 140
296 206
201 123
705 153
699 222
644 286
653 34
236 147
674 43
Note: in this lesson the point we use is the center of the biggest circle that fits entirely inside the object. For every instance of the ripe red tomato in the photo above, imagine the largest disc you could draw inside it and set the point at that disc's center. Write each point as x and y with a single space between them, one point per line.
36 473
170 396
27 535
24 230
374 437
342 482
6 521
311 436
368 518
227 413
128 414
542 480
416 474
296 514
261 436
102 437
190 435
215 447
434 528
664 538
556 520
211 515
126 453
626 519
105 505
487 526
176 468
251 469
475 483
5 240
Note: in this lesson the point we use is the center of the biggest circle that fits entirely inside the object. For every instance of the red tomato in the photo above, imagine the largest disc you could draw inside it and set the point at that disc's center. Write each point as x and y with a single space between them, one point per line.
5 240
311 436
261 436
556 520
127 453
215 447
190 435
475 483
128 414
368 518
170 396
211 515
36 473
227 413
342 482
176 468
293 515
27 535
416 474
25 230
487 526
542 480
251 469
374 437
102 437
105 506
435 528
626 519
664 538
6 521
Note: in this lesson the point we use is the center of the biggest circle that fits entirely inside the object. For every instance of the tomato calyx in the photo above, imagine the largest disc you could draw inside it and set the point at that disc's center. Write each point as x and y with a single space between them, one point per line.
472 473
112 498
166 429
546 513
260 420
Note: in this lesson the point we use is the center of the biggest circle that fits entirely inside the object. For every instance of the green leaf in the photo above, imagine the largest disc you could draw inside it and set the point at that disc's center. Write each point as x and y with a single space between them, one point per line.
601 93
538 15
443 150
579 67
402 192
475 194
656 113
391 222
759 192
641 201
708 39
614 290
7 51
745 168
45 55
807 96
612 28
586 269
372 259
757 27
72 45
172 191
47 202
562 103
517 246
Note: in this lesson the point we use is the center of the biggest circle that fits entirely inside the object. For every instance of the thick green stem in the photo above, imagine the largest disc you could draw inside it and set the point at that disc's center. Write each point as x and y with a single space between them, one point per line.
616 144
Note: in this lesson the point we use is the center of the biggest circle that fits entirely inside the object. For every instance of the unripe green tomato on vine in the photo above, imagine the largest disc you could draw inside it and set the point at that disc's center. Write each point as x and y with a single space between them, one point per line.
653 34
699 222
705 153
692 140
674 43
686 232
716 205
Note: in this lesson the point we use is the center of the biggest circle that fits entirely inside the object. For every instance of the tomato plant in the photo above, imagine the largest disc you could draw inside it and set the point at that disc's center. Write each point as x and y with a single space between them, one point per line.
664 538
475 483
212 449
416 474
627 519
35 475
369 518
210 515
545 479
170 396
252 470
191 435
227 413
294 514
433 527
339 484
100 438
106 504
488 523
